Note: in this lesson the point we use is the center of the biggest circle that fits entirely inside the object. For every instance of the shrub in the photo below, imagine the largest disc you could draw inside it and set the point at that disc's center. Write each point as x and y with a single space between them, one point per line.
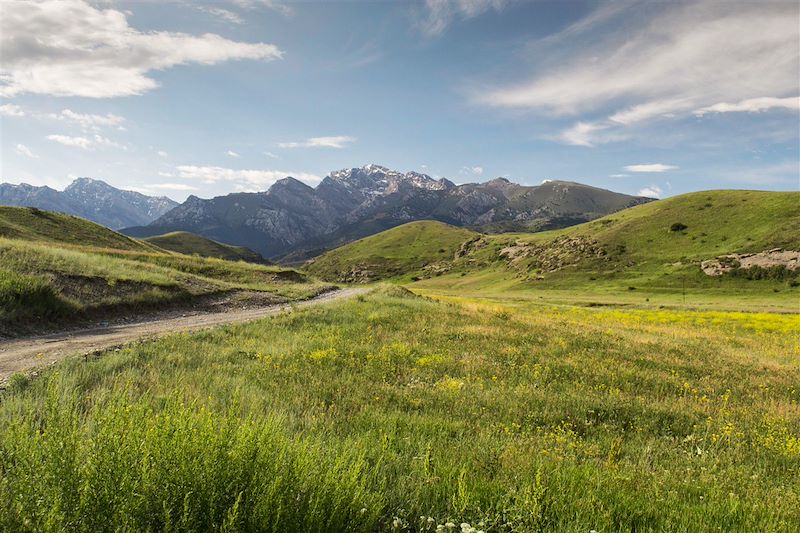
678 226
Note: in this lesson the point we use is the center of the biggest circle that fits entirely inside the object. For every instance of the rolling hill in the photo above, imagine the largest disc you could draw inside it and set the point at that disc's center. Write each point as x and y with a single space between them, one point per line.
659 245
57 269
647 255
190 244
33 224
412 249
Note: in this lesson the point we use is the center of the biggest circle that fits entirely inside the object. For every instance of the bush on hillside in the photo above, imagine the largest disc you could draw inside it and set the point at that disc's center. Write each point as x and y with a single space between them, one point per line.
678 226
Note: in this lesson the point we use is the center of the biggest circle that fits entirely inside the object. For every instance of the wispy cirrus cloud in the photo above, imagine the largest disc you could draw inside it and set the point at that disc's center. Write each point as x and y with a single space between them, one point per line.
675 61
439 14
85 142
278 7
72 48
243 180
68 140
752 105
21 149
338 141
650 167
89 120
221 13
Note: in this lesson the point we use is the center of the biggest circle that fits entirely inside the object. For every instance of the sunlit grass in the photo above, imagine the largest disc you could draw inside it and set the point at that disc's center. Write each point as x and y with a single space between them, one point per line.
508 416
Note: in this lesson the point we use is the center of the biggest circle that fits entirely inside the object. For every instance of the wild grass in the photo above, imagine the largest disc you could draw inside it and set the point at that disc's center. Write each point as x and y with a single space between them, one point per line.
398 252
187 243
49 282
31 224
396 413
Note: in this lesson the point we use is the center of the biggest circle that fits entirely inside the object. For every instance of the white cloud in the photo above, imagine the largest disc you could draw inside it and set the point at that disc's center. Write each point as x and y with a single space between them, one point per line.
105 141
619 175
172 186
231 153
225 14
21 149
162 153
89 120
244 180
11 110
66 140
439 14
684 57
166 174
283 9
270 155
580 134
85 142
752 105
476 170
338 141
650 167
71 48
653 191
589 134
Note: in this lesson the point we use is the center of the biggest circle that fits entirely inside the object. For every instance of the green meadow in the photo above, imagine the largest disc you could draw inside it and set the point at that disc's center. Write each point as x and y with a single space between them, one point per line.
587 379
394 412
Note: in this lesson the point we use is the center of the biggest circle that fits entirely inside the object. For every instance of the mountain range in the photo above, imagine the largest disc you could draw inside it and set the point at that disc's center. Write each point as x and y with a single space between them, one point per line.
293 221
91 199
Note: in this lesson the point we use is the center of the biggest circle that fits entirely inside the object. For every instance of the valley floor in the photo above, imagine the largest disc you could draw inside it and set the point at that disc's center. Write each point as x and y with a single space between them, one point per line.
395 412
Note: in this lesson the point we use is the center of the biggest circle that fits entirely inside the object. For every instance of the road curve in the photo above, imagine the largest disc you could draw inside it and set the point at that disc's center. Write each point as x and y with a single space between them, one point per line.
20 355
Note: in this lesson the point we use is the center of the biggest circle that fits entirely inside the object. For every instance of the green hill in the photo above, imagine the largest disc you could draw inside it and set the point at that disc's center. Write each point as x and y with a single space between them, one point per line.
632 255
191 244
56 269
31 224
416 249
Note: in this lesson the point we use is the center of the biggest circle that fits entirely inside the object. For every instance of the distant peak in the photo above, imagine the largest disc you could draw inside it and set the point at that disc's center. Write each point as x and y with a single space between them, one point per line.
372 167
80 183
291 183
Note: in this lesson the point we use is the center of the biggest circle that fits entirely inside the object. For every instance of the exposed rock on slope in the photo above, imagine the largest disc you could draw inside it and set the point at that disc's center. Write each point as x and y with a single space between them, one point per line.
788 259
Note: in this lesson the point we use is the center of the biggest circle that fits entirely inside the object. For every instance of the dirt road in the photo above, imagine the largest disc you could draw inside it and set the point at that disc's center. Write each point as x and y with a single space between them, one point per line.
24 354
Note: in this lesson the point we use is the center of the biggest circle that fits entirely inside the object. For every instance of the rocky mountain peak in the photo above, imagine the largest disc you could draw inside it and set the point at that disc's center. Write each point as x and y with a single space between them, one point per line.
92 199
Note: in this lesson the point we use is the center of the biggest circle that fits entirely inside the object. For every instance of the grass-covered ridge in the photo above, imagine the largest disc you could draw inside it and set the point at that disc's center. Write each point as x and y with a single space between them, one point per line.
395 413
31 224
191 244
695 226
403 251
56 269
647 255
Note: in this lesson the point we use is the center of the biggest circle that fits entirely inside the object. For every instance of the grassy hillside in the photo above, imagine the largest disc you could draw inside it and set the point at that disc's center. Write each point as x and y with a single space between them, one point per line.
394 413
649 254
413 249
33 224
187 243
57 268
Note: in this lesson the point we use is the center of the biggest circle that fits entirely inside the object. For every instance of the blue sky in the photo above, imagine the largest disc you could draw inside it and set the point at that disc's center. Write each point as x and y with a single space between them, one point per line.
207 98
